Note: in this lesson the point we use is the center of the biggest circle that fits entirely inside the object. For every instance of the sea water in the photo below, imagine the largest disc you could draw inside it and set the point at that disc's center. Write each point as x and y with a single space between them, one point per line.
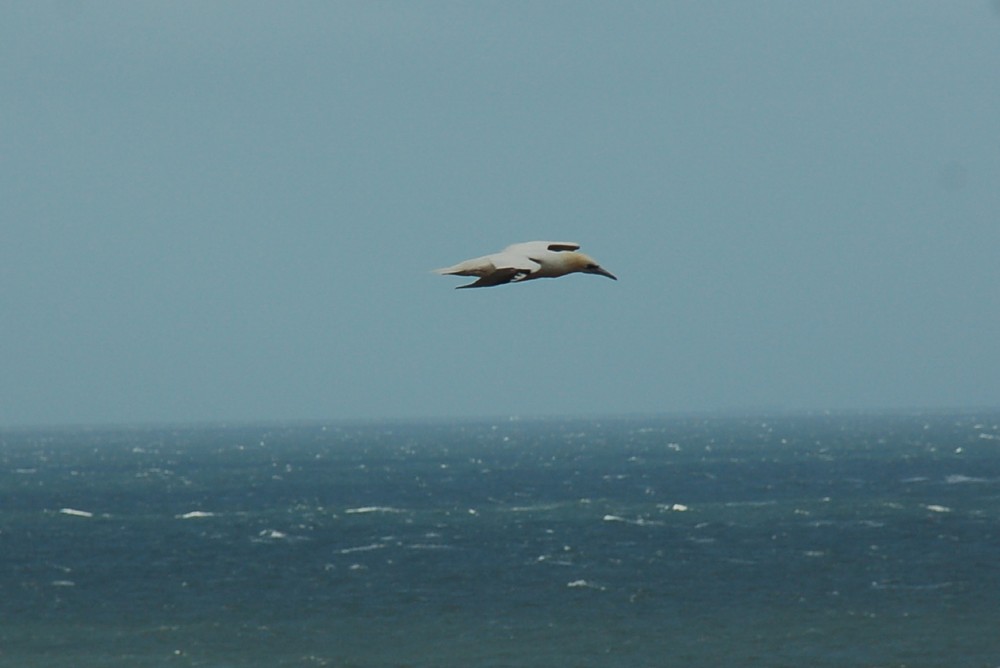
786 540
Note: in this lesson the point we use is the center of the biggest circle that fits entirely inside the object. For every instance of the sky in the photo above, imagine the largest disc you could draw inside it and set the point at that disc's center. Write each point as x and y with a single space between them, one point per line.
229 211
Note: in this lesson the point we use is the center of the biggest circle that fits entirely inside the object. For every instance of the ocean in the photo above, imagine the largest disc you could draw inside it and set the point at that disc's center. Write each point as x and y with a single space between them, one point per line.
862 540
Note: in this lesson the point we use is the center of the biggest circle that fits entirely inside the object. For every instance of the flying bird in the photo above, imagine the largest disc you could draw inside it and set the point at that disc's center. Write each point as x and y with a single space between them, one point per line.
525 261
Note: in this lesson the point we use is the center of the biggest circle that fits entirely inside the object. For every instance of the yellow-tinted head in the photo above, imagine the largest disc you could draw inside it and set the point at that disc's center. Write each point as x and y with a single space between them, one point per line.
587 265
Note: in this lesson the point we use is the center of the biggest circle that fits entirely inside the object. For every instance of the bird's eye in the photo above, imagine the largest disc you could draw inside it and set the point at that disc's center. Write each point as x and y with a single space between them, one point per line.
591 266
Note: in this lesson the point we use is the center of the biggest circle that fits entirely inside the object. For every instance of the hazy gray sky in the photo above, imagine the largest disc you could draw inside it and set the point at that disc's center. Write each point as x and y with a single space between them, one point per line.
229 210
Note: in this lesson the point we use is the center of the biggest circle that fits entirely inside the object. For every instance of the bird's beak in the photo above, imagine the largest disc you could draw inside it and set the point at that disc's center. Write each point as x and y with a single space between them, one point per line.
604 272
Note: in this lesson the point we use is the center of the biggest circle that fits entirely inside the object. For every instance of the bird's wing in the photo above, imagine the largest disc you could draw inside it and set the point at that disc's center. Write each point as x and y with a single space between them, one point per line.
504 268
498 277
495 269
529 247
517 261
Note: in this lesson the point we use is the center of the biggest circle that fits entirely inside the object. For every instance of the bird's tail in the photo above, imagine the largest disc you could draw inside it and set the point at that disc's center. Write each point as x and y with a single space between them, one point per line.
467 268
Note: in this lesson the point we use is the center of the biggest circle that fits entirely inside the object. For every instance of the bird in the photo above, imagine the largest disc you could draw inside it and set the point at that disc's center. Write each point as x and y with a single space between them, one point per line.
526 261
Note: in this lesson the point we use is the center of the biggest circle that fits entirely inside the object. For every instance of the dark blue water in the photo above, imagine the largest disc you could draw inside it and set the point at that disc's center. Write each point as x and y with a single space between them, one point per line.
849 540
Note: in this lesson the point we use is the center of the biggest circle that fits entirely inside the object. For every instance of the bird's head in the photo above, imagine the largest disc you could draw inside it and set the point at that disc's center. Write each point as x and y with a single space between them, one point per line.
587 265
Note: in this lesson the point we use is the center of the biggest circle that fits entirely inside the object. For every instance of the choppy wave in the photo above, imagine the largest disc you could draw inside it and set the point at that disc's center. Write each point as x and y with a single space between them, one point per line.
820 541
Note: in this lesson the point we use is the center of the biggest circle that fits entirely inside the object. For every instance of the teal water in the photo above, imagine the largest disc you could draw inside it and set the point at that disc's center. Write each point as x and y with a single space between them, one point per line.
845 540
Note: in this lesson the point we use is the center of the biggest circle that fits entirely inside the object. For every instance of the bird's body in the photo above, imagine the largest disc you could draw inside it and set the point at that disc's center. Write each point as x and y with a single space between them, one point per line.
526 261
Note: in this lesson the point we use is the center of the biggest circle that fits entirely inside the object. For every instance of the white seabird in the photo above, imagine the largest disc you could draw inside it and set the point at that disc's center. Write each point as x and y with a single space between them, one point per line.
525 261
